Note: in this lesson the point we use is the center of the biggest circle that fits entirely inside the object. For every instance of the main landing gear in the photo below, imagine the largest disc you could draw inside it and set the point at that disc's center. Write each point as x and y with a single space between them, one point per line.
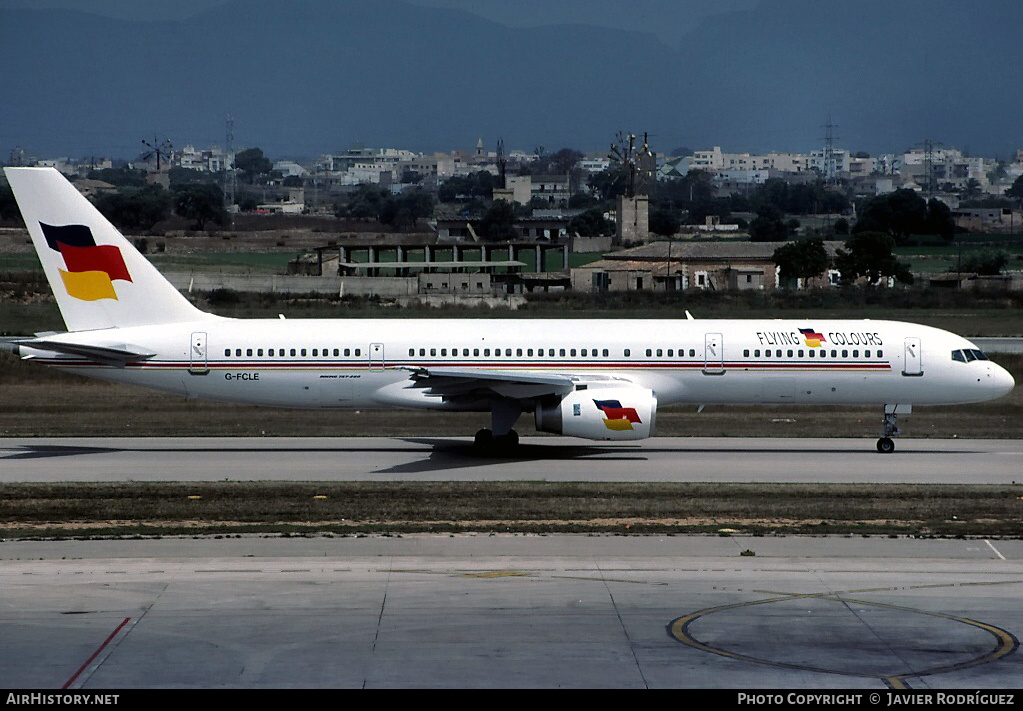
500 438
886 445
487 441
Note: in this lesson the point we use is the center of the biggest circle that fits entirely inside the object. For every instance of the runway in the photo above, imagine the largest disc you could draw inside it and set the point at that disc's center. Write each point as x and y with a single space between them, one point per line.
500 611
495 611
660 459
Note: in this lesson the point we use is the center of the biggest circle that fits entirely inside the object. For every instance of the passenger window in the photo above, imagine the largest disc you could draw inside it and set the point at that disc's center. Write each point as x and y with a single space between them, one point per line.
486 351
348 352
475 351
433 351
293 352
866 354
507 352
745 353
790 352
671 352
800 352
628 352
834 354
259 352
572 352
845 353
605 352
248 351
692 352
315 352
227 352
812 353
337 352
518 352
659 353
562 352
880 354
529 352
649 352
411 351
358 351
756 353
856 353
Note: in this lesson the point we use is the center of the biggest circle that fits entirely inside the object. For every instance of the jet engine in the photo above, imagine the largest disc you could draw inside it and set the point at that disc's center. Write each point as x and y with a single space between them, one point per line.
617 413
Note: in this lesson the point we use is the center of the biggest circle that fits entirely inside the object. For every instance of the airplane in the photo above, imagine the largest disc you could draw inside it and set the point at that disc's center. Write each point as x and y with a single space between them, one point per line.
594 379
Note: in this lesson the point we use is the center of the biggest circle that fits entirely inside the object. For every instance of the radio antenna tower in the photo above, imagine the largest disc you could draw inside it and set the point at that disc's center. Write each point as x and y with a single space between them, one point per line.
930 187
229 173
830 172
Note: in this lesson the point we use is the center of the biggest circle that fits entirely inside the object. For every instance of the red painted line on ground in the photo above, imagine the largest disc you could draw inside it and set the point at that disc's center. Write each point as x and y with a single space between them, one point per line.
95 654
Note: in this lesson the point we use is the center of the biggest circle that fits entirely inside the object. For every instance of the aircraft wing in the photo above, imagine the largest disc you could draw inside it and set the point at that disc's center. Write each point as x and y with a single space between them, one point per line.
118 354
455 383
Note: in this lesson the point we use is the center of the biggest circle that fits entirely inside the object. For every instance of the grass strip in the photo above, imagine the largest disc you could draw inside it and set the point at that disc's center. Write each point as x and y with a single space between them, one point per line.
70 510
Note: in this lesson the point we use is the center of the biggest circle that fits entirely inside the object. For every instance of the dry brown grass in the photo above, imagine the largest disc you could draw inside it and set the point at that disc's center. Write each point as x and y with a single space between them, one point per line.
72 509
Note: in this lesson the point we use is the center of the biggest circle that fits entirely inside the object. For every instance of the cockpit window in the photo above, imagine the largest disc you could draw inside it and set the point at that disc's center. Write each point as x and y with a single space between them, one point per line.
967 354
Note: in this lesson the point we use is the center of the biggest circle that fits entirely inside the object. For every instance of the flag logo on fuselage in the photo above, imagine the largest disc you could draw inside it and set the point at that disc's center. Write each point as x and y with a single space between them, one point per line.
617 417
812 338
91 268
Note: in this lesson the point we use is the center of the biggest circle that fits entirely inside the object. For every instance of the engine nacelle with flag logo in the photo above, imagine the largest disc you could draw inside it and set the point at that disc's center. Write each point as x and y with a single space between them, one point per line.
621 413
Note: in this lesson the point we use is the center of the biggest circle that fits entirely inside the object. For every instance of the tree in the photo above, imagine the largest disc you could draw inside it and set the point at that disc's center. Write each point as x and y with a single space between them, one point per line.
870 256
1016 191
135 209
770 226
8 205
804 259
464 189
405 210
904 213
121 177
988 262
591 223
498 222
252 163
663 222
971 189
201 202
364 204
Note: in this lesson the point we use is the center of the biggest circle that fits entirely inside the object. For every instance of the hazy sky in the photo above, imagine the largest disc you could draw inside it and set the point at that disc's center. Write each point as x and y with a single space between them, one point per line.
666 18
749 75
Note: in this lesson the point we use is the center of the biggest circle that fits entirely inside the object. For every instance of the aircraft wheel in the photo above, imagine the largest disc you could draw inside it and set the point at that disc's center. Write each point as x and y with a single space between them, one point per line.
885 445
508 441
484 440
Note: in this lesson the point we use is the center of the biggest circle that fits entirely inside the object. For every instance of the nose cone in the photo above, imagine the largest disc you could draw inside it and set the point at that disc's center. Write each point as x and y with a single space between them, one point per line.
1002 381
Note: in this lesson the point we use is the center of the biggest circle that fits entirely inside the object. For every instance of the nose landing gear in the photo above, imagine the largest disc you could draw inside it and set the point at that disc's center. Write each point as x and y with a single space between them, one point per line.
885 445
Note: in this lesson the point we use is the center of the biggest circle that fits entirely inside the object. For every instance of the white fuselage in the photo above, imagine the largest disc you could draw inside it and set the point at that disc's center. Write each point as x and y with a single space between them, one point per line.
365 363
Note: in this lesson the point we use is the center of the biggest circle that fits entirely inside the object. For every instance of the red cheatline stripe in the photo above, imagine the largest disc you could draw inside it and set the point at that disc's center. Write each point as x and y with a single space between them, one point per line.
95 654
543 367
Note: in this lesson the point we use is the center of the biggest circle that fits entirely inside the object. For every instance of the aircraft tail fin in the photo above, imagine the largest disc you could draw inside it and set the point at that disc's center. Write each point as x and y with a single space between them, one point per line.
97 276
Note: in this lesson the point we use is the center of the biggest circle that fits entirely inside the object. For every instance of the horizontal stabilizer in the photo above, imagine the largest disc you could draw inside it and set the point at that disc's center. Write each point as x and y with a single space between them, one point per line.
117 355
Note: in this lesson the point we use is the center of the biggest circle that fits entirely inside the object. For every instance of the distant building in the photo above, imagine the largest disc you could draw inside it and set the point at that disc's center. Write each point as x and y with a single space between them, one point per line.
679 266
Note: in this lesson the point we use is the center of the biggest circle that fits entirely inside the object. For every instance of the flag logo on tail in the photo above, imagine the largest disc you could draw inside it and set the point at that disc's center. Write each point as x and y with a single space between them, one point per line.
617 417
91 268
812 338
